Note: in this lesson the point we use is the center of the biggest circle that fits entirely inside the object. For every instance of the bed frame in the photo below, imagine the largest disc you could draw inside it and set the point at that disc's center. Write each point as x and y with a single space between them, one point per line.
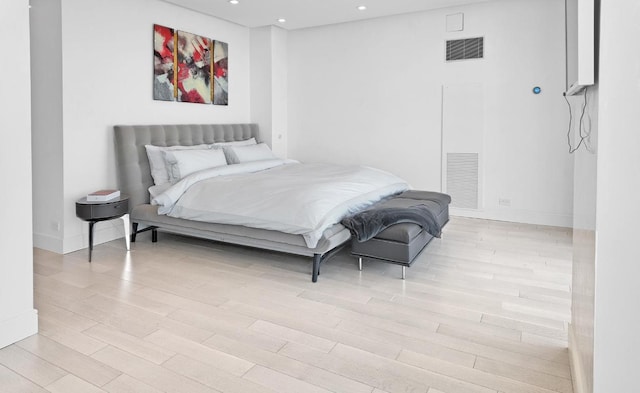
134 179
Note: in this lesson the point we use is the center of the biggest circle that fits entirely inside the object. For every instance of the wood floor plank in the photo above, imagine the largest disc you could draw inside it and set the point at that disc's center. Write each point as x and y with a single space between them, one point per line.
131 296
148 372
293 335
219 321
72 361
213 377
179 302
422 346
131 344
71 338
16 383
72 384
476 376
291 303
61 316
130 319
308 328
280 382
215 358
126 384
551 354
526 375
308 372
30 366
382 373
378 312
523 326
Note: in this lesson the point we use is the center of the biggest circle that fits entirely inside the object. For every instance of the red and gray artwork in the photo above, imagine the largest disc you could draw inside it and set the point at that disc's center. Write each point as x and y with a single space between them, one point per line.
163 63
220 73
194 68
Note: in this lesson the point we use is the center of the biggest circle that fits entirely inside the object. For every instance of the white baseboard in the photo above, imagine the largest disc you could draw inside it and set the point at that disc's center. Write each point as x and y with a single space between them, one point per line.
47 242
513 215
18 327
578 375
103 232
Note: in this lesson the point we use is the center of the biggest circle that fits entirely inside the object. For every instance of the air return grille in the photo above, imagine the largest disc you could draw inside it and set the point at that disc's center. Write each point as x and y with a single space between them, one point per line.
462 179
470 48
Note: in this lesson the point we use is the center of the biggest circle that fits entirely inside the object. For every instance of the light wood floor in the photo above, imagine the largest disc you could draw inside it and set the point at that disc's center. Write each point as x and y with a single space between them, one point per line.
485 309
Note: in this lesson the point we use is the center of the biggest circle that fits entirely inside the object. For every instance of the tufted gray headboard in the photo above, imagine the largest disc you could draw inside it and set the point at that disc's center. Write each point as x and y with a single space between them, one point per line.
134 173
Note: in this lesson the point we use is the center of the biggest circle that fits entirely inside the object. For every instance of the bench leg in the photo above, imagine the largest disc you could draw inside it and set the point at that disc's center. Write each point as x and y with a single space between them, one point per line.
404 272
360 263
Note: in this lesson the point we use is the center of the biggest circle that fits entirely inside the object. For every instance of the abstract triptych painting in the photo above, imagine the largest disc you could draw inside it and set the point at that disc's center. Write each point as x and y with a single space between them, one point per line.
189 67
220 72
194 68
163 63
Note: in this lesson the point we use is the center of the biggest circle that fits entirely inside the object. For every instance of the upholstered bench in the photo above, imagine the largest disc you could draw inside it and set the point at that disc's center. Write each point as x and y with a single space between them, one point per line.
402 243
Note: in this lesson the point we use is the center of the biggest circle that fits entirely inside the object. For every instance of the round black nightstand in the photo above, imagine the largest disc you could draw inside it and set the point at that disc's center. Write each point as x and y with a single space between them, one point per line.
102 211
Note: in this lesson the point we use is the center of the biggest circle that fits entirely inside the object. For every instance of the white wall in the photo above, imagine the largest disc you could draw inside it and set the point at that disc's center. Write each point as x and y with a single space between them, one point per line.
279 93
584 244
261 81
370 93
18 319
269 54
107 69
617 293
46 123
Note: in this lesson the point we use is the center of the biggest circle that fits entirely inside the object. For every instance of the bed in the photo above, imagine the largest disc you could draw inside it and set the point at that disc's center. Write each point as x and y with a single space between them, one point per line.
135 179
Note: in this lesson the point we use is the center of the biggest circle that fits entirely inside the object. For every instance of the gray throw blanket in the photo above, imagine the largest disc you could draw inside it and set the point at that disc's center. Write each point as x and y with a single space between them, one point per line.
367 224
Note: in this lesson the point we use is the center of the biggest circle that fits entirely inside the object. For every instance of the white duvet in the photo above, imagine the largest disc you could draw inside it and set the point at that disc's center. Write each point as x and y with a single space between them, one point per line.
280 195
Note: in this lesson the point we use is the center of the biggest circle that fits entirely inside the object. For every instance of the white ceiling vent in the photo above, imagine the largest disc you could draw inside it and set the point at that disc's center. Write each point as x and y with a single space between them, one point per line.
465 49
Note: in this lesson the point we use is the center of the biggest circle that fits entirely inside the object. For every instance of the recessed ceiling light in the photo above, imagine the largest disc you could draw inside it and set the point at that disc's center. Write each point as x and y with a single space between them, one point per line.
362 7
282 20
234 2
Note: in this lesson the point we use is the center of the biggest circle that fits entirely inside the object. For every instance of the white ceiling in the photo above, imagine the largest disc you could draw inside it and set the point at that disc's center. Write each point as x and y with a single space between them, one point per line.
308 13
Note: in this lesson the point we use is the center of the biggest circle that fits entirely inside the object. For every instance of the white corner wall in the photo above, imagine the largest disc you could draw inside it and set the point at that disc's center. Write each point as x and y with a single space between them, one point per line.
107 74
18 319
584 247
46 123
617 293
369 93
261 81
269 105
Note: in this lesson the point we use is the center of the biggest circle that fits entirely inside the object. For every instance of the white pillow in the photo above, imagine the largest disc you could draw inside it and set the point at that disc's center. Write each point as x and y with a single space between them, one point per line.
158 164
181 163
246 142
240 154
154 191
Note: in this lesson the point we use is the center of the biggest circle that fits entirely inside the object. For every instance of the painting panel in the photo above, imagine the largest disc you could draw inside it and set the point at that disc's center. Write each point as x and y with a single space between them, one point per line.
220 73
194 68
163 63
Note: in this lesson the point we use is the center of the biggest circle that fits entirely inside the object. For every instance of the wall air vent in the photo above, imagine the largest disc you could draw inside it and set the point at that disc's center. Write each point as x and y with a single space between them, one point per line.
462 179
465 49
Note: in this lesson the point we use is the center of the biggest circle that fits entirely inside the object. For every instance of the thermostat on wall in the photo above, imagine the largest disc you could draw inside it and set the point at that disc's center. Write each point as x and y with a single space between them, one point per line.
455 22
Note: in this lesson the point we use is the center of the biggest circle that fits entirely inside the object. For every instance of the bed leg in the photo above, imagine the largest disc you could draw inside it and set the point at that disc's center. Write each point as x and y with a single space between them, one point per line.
316 267
404 272
134 232
360 263
154 235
